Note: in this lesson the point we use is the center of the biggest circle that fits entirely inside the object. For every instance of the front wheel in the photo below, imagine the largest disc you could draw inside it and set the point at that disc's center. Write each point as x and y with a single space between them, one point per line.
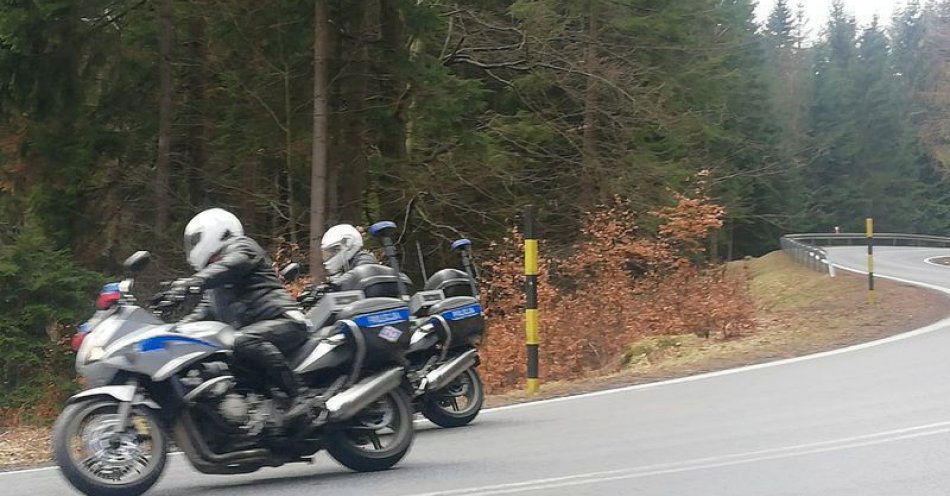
377 437
458 403
100 460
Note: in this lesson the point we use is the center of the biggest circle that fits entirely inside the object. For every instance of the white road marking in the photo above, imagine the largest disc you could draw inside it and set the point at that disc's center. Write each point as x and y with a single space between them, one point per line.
26 471
930 260
702 463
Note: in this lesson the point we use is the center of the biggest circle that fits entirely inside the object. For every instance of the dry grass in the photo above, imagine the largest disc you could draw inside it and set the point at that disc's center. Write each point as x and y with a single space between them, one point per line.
24 446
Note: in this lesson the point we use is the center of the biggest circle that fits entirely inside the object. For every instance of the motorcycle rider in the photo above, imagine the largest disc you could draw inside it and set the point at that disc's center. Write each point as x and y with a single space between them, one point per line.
241 288
342 247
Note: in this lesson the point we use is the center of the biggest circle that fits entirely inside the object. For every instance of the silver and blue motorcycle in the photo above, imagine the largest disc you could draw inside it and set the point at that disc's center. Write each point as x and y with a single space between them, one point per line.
151 382
447 325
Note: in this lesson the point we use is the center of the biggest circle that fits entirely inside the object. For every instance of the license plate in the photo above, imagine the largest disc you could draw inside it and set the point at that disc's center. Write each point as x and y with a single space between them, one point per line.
390 333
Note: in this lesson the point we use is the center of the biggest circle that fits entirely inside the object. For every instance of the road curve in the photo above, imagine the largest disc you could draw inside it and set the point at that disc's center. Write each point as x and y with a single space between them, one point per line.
871 420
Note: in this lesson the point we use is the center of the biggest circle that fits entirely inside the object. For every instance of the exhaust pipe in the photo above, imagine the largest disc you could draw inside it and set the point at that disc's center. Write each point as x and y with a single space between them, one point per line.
348 403
446 373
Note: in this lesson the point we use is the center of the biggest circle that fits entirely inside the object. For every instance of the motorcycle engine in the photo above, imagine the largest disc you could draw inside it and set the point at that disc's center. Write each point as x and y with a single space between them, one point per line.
234 408
244 410
248 412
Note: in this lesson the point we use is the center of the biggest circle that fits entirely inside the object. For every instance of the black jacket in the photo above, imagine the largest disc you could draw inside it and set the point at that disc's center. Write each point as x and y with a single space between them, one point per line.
362 257
241 287
311 295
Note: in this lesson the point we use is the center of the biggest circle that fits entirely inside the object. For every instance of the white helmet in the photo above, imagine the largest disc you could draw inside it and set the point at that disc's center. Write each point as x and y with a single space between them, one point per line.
207 233
339 244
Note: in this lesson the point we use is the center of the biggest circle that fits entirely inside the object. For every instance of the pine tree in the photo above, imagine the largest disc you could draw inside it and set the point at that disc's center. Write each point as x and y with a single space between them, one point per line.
781 28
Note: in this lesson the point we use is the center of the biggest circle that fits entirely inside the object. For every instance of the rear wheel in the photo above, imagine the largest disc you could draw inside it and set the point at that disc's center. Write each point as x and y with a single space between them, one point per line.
377 437
458 403
98 459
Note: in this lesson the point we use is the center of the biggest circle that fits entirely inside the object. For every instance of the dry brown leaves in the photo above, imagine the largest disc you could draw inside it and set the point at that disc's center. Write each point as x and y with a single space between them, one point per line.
24 446
615 286
286 253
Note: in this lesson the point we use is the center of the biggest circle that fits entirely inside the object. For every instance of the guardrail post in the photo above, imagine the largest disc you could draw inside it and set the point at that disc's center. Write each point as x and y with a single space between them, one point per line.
869 224
532 337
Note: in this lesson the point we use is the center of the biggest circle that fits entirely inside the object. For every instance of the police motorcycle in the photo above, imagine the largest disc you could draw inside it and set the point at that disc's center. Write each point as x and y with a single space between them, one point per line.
446 327
443 355
151 383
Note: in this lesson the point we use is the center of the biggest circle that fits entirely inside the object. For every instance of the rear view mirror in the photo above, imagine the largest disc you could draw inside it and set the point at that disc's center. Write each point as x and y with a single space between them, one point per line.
290 272
137 262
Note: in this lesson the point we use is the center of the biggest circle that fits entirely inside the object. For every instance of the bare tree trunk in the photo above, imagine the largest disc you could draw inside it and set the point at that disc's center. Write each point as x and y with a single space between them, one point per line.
288 159
318 172
589 173
392 140
334 169
197 140
161 183
337 153
353 129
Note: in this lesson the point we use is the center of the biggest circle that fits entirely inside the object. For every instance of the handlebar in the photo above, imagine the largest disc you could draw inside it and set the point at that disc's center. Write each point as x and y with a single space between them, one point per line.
165 299
312 295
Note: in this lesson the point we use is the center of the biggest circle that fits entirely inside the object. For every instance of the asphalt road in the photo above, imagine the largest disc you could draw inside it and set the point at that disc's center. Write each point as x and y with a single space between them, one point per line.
869 420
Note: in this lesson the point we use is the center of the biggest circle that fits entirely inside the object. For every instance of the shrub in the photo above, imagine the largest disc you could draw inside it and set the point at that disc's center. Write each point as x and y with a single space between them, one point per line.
613 286
42 294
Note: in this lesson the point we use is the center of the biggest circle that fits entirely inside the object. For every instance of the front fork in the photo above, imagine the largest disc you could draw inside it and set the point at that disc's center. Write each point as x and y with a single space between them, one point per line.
125 407
129 397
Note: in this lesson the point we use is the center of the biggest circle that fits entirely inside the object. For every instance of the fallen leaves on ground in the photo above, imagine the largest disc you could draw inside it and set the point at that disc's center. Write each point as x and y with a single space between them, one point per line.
24 446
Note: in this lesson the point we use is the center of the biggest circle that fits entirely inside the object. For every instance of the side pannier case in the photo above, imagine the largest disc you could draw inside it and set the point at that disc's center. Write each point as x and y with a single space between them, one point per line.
381 327
463 319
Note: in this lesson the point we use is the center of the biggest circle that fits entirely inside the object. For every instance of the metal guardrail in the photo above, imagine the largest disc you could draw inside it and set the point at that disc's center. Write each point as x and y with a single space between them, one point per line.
807 249
892 239
811 256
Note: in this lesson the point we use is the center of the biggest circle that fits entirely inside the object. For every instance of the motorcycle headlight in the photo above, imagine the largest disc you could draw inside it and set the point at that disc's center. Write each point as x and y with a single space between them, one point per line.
95 354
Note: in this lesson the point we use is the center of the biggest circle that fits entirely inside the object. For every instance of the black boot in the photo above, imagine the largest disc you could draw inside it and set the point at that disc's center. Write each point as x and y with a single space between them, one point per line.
299 411
274 364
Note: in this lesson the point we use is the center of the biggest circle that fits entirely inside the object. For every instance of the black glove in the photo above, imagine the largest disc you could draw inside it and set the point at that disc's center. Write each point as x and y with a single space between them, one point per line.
312 295
184 287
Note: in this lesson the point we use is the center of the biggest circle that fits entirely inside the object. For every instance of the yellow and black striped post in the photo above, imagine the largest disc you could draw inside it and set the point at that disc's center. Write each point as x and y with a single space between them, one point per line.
532 337
869 223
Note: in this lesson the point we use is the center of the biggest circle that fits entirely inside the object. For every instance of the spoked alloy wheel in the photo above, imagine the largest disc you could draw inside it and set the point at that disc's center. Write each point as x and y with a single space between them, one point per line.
97 459
377 437
458 403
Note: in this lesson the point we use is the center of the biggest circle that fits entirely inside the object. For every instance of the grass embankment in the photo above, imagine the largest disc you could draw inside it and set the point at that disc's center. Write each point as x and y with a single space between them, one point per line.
798 312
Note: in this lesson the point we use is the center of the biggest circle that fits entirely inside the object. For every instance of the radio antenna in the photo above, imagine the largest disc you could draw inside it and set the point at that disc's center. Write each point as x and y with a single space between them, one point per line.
422 263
